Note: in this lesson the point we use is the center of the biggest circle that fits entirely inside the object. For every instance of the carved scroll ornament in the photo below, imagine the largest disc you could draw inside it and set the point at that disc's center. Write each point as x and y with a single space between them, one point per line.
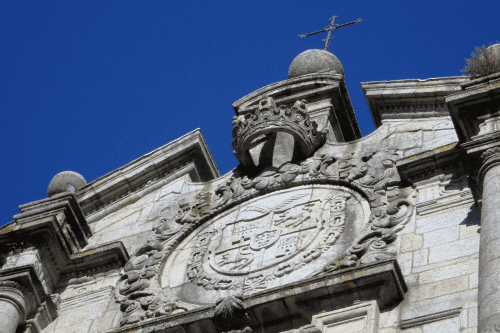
371 172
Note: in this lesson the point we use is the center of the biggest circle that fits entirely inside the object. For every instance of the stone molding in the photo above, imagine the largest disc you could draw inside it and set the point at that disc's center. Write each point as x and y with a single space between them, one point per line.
364 317
470 107
61 213
442 160
85 298
61 231
411 98
422 320
148 169
129 197
442 192
490 153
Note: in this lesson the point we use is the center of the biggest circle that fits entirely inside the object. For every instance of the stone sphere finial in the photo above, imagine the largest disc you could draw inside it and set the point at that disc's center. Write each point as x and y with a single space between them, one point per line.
314 61
66 181
494 50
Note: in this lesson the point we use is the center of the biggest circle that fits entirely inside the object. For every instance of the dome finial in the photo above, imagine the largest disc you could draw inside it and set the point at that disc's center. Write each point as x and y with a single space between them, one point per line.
315 61
66 181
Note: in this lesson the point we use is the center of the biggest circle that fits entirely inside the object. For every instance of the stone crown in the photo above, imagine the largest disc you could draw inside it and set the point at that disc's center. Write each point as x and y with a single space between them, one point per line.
269 118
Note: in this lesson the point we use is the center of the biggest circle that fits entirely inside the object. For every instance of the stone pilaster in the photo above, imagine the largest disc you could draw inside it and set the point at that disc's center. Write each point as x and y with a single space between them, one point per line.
489 255
475 112
13 306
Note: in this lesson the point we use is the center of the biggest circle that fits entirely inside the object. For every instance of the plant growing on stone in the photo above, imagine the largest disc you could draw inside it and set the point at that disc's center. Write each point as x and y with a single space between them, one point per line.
485 61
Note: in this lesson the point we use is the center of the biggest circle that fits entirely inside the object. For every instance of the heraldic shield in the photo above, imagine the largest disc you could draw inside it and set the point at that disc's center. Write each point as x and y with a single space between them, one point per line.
267 242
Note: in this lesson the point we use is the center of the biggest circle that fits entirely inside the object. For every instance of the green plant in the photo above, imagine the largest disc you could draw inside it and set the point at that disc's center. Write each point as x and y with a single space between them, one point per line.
484 62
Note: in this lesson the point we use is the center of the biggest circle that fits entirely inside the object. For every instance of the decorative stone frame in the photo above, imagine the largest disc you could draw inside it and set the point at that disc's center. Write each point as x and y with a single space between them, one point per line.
359 318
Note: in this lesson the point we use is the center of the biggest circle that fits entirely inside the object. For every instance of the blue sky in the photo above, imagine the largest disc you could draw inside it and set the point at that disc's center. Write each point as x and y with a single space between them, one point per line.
89 86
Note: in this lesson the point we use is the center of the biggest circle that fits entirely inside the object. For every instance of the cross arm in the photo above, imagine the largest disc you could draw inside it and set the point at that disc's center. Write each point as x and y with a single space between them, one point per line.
343 25
313 33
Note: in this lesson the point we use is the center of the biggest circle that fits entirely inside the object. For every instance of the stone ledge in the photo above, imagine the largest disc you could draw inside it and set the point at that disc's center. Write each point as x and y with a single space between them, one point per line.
430 318
295 304
430 163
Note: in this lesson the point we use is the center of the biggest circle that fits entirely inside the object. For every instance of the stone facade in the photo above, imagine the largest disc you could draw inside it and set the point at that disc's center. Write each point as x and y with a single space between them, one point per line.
317 230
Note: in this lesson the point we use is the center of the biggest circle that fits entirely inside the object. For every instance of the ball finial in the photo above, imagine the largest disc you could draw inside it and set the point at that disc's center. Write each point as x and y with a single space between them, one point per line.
66 181
315 61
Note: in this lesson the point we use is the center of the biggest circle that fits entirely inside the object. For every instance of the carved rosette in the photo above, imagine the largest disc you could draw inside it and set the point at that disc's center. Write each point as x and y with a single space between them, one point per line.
269 118
305 228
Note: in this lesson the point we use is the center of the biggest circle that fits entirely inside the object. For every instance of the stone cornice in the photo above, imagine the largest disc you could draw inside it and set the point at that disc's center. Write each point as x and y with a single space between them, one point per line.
431 163
150 168
58 229
61 214
312 88
301 87
467 106
128 197
409 98
381 281
479 144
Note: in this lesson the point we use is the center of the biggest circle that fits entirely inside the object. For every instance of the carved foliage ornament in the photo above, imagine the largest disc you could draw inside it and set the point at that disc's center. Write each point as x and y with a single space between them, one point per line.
371 172
270 118
490 152
305 228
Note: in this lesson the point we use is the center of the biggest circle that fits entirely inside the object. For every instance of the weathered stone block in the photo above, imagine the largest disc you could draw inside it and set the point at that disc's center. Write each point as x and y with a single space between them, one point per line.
104 322
460 248
469 231
411 242
420 258
440 288
449 271
435 222
405 262
450 325
441 236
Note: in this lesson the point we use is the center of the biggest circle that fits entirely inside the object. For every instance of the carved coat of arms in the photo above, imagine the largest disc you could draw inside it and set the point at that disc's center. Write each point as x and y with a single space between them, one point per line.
272 240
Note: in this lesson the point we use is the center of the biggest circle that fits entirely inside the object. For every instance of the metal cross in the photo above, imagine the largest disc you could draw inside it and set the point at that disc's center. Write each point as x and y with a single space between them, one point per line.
331 27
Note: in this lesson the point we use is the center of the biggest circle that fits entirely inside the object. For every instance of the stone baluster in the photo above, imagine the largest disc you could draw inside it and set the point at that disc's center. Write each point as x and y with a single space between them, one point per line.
489 255
13 306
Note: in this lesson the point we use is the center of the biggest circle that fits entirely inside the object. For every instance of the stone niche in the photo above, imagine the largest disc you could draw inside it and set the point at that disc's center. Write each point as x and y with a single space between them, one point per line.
267 242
